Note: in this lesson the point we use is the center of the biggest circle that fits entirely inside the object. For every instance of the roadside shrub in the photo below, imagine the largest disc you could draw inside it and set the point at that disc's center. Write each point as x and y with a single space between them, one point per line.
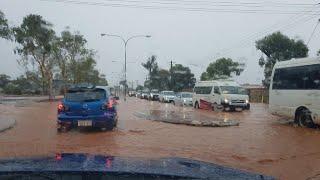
11 88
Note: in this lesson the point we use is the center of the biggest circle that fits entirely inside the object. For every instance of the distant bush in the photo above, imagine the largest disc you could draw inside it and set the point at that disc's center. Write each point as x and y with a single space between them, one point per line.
12 88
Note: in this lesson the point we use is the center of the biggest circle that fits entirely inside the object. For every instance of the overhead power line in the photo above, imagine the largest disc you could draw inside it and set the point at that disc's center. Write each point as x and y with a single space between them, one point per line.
216 3
286 24
179 8
249 41
314 30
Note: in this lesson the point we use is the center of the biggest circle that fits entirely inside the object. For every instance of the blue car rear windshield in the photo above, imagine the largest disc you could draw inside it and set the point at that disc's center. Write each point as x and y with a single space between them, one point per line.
85 95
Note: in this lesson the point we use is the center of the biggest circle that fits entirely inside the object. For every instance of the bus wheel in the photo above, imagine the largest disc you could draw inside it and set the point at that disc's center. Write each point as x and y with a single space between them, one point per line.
304 119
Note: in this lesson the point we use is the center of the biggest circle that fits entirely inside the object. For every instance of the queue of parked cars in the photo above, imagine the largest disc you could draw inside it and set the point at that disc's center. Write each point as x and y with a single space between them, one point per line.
221 94
180 98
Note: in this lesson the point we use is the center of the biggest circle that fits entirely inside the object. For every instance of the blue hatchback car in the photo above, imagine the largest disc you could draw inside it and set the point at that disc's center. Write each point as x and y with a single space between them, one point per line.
87 107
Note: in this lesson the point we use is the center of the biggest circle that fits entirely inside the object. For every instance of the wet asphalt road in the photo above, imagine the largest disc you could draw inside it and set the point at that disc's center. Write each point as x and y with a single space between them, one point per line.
260 143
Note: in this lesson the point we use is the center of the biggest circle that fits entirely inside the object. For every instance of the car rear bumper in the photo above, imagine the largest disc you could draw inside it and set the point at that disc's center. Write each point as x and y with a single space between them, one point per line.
168 99
188 103
155 98
97 121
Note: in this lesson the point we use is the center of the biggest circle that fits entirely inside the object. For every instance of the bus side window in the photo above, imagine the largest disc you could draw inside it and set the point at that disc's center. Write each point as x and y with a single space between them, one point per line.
313 77
301 77
276 79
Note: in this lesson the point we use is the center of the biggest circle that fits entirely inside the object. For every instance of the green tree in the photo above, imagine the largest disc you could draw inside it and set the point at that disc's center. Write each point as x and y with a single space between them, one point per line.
139 87
278 47
4 80
12 88
5 31
162 80
182 78
20 85
222 68
85 70
35 80
75 62
102 80
151 65
71 55
35 38
204 76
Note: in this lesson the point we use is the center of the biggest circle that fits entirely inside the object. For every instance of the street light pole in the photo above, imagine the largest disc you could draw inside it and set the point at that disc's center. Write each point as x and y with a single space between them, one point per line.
125 56
125 70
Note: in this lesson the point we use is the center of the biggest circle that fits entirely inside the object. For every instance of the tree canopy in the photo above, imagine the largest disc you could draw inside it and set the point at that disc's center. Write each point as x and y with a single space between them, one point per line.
177 78
182 78
151 65
278 47
5 31
55 58
35 36
222 68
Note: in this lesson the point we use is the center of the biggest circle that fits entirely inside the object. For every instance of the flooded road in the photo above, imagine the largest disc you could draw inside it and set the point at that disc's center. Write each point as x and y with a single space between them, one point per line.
260 143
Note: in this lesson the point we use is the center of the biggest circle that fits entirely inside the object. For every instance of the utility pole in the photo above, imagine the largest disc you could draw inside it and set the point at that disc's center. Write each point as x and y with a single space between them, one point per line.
171 82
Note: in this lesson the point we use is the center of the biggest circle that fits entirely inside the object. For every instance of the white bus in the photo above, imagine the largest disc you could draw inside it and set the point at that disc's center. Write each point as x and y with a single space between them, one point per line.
295 90
226 94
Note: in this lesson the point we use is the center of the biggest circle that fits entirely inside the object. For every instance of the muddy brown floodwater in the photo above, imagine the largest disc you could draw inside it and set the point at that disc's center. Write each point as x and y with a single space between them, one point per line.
260 143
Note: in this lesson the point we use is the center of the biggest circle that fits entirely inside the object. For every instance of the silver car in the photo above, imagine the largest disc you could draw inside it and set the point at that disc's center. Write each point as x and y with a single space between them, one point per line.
154 95
167 96
183 99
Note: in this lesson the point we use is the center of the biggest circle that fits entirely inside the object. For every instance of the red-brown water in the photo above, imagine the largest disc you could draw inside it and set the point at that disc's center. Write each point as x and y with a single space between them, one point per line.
259 144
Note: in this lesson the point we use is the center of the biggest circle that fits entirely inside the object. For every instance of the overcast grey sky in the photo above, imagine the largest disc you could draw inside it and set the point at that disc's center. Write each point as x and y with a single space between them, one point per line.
186 37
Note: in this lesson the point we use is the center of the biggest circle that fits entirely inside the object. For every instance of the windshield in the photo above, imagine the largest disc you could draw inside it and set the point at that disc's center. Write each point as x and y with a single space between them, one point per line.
85 95
221 81
233 90
169 93
187 95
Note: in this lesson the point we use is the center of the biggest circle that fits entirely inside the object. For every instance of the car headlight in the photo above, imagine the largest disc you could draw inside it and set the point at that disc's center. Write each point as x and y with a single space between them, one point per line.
184 100
247 101
226 100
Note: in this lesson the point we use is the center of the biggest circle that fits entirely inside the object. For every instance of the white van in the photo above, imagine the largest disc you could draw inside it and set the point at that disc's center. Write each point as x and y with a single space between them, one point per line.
295 90
226 94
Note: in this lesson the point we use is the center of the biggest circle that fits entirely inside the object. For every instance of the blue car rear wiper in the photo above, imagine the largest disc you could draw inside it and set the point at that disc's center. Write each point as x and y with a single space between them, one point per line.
90 100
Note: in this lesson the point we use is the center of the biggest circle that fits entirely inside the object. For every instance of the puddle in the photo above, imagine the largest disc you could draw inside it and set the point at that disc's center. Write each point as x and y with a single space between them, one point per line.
185 117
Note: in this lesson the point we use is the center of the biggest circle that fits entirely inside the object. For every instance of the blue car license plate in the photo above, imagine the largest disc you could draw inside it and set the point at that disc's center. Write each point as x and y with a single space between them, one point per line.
84 123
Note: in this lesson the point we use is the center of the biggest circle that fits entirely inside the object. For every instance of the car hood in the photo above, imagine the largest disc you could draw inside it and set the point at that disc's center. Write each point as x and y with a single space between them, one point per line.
187 99
98 163
169 96
235 96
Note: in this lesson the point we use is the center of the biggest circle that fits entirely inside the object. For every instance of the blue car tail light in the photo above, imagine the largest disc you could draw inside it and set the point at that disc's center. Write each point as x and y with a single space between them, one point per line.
62 108
109 105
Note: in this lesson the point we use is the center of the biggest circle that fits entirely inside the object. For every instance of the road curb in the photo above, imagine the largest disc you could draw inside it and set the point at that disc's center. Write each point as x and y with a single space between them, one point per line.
6 123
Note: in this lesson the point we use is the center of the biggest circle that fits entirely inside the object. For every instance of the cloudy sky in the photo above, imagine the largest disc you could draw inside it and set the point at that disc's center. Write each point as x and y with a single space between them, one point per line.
189 32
